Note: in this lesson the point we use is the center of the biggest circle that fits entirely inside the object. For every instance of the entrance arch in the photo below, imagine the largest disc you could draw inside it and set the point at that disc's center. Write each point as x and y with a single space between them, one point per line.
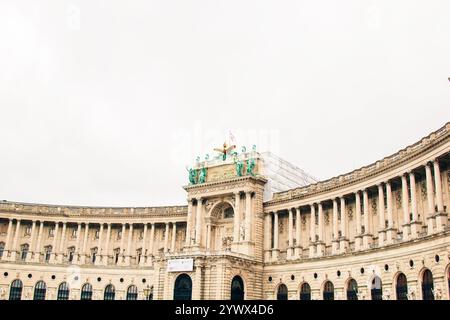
328 291
401 287
352 290
237 289
282 292
182 289
427 285
377 289
305 292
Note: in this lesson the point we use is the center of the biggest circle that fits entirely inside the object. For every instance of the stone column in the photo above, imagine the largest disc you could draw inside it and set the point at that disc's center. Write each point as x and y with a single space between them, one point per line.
166 238
54 249
267 236
367 237
15 240
174 237
381 221
37 250
276 250
312 232
105 255
415 223
237 217
61 244
122 239
441 216
298 238
430 199
151 245
248 216
405 204
77 244
358 237
30 250
198 222
98 260
189 223
143 246
85 240
335 241
290 250
391 228
130 238
344 243
321 243
8 239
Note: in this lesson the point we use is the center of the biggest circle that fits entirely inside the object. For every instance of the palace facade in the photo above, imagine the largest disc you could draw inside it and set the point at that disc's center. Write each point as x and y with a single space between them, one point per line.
254 227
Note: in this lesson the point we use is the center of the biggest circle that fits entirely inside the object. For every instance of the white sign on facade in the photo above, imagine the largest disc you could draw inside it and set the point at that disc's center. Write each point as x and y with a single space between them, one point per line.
180 265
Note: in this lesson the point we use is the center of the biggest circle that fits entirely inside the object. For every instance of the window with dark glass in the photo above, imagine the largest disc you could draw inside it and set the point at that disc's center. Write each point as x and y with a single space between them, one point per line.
427 286
15 292
39 290
2 248
132 293
110 292
305 292
282 293
328 291
377 289
24 252
352 290
401 287
86 292
71 253
63 291
48 253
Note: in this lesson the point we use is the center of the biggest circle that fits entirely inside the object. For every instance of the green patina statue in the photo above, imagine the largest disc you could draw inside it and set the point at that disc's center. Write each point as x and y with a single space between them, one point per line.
192 176
202 176
239 166
250 167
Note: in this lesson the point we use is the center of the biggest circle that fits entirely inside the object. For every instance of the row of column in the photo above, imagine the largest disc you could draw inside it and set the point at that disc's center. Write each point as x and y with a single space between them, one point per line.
80 249
411 227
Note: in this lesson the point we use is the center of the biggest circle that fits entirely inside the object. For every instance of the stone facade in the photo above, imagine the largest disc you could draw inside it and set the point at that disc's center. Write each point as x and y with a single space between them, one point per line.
358 235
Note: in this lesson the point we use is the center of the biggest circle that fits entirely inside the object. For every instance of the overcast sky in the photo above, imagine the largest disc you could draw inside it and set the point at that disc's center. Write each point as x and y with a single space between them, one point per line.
107 102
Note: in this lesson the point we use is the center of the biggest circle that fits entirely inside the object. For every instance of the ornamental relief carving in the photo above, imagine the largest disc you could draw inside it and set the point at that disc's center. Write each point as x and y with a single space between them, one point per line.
398 199
350 214
423 190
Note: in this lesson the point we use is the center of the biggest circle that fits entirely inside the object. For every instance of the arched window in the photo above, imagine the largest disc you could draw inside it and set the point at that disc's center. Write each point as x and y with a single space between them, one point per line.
427 286
24 252
15 292
86 292
352 290
305 292
183 288
63 291
377 289
282 293
328 291
2 248
401 287
132 293
39 290
237 289
110 292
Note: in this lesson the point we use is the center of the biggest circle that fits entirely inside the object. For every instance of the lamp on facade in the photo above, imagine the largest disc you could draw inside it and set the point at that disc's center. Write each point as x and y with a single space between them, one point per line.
148 293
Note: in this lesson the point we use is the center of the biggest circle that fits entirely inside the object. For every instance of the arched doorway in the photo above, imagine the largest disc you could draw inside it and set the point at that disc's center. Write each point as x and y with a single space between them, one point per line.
86 292
377 289
401 287
305 292
427 285
183 288
110 292
63 291
237 289
15 292
40 290
282 292
328 291
352 290
132 293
